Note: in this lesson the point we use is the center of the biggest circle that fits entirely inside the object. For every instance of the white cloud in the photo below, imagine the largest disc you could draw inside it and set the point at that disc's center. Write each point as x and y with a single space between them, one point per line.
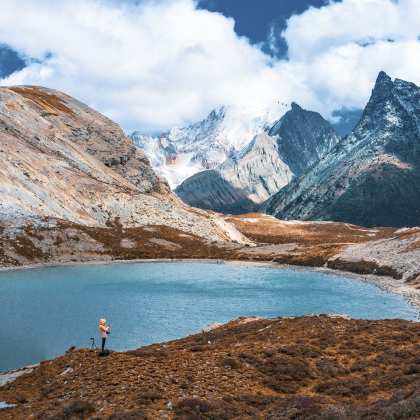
163 62
343 46
148 66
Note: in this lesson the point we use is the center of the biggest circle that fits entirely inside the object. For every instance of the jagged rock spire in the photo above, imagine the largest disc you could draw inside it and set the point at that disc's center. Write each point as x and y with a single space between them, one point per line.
372 177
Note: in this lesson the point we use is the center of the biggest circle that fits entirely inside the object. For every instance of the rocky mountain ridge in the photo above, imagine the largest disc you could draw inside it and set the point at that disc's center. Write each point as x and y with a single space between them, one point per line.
238 186
241 183
304 137
372 177
60 159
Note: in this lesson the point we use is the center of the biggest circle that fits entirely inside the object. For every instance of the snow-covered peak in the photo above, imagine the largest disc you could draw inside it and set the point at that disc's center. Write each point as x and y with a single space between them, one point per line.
150 146
182 152
230 126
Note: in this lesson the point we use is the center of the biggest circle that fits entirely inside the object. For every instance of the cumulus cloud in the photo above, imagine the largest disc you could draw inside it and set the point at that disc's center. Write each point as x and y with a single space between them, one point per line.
343 46
148 66
155 64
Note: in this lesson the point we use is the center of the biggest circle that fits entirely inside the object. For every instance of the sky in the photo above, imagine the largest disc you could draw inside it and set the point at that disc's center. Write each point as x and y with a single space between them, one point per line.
153 64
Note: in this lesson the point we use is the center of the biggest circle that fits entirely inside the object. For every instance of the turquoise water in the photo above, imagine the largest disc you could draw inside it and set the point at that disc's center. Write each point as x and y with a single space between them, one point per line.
43 312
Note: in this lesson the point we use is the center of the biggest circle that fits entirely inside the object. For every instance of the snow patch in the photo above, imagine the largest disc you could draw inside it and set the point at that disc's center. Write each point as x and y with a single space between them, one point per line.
3 404
6 378
69 369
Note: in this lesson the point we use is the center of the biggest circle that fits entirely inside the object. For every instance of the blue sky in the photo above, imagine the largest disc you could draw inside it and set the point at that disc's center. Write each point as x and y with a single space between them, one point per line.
257 19
9 61
153 64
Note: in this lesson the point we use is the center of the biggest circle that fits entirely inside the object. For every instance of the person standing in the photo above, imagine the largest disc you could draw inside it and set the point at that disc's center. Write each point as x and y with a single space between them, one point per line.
103 331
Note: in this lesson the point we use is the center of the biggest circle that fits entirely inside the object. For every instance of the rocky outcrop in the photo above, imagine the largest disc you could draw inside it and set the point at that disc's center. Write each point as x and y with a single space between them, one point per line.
159 150
61 159
183 152
372 178
48 117
209 190
241 183
259 169
304 137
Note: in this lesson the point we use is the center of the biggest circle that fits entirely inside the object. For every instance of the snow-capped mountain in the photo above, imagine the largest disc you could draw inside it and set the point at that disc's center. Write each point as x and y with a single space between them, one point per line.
372 177
269 163
182 152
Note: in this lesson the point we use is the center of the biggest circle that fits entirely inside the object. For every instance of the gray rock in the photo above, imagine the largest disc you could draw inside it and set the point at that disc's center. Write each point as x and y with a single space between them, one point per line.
211 326
372 177
83 169
242 183
6 378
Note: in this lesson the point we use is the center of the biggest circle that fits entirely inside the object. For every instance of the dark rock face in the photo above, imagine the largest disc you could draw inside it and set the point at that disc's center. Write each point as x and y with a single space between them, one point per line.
304 137
372 178
240 184
209 190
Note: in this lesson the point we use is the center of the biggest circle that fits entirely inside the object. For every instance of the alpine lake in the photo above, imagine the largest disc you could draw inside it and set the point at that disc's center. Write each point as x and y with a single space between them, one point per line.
43 312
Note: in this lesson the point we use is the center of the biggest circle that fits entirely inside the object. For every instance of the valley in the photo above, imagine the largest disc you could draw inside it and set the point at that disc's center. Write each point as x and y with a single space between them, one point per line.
75 190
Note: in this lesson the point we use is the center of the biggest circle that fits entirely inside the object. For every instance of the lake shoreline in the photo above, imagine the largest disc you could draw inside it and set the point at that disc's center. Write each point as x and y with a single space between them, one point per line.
386 283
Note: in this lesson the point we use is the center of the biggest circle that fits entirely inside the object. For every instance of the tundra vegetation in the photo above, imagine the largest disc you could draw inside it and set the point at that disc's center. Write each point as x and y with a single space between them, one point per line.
312 367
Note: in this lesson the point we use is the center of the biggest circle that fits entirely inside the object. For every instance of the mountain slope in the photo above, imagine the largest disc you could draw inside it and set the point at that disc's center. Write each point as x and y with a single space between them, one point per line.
236 187
240 184
304 138
61 159
372 178
305 367
183 152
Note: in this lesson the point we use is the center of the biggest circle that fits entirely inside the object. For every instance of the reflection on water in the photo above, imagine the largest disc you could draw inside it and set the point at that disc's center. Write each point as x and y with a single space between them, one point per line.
44 312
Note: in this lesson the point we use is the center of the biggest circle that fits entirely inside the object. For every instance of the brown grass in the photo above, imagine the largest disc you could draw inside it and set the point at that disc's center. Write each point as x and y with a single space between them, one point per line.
315 256
146 246
128 415
364 267
274 231
49 102
24 247
267 369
